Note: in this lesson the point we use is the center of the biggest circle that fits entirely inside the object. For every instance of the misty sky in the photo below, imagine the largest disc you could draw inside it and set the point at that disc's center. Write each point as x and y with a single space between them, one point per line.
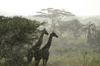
30 7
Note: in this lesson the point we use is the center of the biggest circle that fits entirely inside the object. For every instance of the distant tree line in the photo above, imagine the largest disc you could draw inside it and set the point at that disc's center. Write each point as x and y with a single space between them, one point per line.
73 27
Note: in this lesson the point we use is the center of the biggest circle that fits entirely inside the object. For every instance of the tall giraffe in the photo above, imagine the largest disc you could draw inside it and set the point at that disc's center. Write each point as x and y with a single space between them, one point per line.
36 47
44 52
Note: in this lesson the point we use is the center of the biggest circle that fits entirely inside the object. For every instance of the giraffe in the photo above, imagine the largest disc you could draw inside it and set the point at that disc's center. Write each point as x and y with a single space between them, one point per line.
44 52
36 47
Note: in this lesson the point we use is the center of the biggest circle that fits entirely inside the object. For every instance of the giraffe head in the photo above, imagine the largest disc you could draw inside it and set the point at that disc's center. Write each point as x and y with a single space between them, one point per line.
54 34
45 31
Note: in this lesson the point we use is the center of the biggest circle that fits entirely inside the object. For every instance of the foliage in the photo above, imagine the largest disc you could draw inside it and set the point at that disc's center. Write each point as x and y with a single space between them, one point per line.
97 38
73 27
95 41
15 33
90 28
71 54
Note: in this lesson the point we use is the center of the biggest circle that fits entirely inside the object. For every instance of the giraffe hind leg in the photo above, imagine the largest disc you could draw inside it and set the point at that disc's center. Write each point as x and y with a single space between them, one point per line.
37 62
29 59
45 62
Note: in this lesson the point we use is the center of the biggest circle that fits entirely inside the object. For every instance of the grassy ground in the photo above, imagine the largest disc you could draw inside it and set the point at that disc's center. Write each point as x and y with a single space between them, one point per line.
74 60
71 54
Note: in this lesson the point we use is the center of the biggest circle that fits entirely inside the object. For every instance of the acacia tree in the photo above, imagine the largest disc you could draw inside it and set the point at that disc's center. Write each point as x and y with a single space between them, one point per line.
55 15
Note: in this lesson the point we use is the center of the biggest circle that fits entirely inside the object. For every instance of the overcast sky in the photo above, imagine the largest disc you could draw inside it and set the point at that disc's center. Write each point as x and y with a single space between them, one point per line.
30 7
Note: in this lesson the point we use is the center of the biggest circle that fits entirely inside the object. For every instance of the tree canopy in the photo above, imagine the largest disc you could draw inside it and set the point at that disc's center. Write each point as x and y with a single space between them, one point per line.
15 33
55 15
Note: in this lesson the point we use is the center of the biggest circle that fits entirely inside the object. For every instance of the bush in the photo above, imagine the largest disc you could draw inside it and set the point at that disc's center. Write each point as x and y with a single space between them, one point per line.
15 33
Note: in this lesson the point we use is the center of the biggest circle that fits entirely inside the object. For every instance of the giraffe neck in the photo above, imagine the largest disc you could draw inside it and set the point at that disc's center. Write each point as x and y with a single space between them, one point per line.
47 46
39 42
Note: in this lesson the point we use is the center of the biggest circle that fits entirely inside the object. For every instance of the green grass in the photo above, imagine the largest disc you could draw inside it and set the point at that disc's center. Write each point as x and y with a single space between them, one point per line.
72 59
65 55
75 60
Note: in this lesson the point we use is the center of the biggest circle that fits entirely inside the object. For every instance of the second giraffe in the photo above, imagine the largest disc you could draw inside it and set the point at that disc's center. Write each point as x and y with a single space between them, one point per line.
44 52
36 47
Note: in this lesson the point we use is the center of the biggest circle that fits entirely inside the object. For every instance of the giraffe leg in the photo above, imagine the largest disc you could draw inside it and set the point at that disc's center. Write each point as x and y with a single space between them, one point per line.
45 61
29 60
37 62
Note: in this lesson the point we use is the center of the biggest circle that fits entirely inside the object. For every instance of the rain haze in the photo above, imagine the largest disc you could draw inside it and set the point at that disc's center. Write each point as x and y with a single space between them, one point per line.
49 32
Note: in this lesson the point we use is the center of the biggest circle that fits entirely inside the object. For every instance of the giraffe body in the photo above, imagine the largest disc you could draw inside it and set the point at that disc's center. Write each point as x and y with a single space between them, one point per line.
44 52
36 47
